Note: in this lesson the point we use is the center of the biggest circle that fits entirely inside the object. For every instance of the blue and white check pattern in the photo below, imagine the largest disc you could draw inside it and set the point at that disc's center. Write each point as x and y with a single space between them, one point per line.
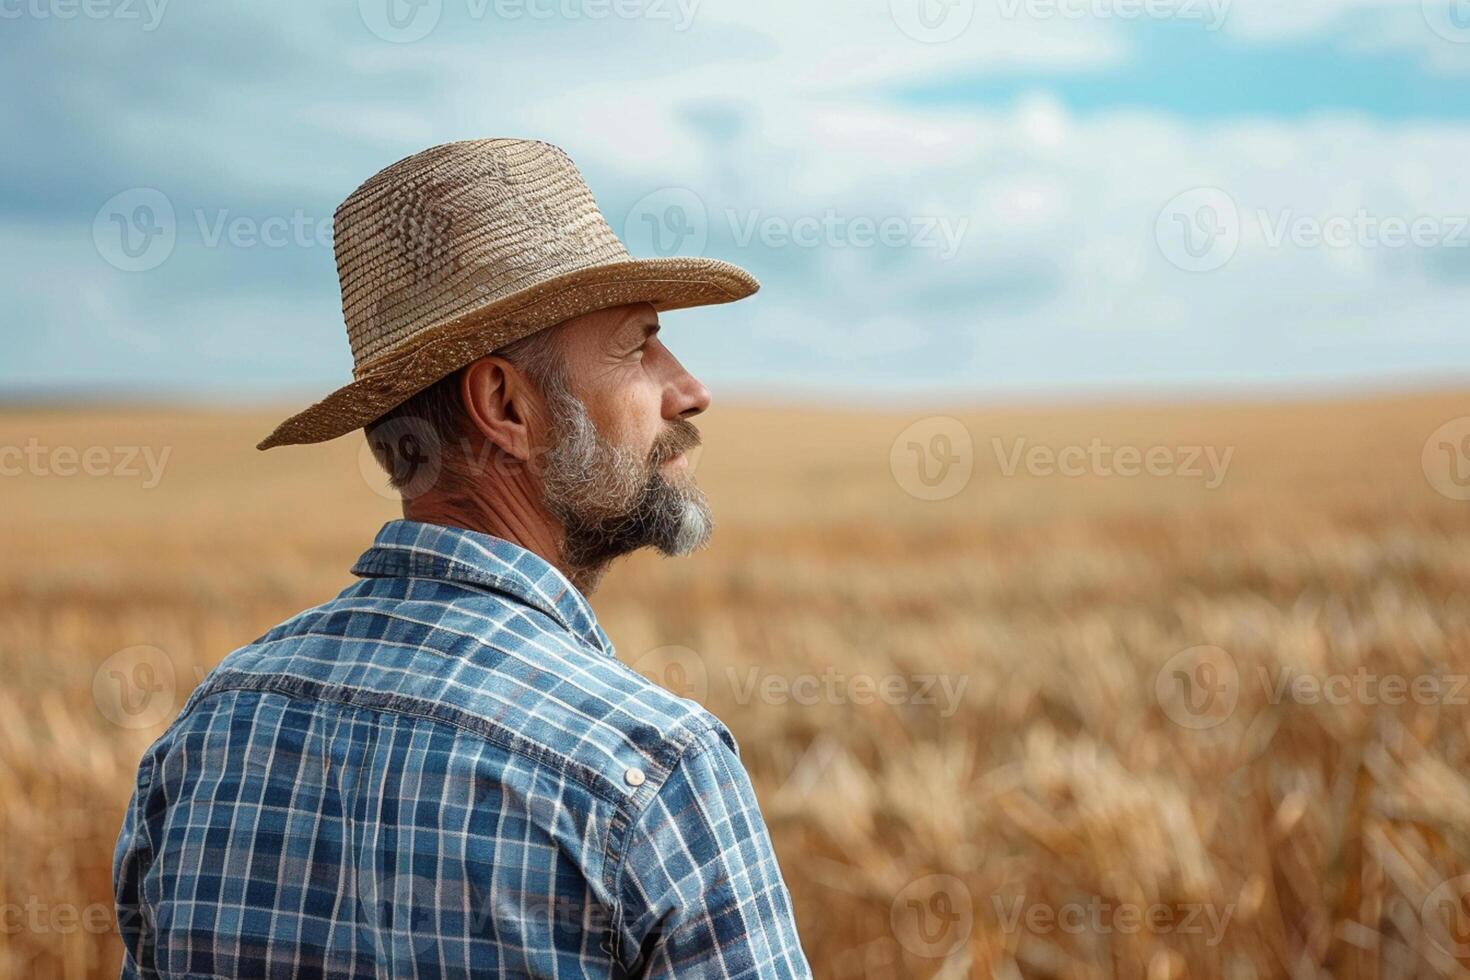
446 772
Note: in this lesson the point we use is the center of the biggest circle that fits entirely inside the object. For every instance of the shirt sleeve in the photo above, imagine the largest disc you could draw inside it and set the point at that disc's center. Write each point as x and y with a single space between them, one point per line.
129 864
701 892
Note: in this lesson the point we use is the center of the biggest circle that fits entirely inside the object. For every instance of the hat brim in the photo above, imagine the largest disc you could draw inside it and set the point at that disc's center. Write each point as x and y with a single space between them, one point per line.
666 283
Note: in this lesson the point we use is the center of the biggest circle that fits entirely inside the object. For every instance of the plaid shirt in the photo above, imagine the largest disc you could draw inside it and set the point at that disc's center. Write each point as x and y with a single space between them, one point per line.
446 772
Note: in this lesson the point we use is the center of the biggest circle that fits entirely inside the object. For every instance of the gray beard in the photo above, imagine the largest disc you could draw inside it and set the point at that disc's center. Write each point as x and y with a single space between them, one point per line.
609 501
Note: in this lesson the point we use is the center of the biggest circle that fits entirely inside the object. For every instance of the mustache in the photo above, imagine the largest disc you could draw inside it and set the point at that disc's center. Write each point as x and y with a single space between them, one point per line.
681 436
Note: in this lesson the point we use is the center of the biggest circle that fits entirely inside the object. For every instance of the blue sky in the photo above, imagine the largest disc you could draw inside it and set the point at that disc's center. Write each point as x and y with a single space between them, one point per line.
1177 68
1079 195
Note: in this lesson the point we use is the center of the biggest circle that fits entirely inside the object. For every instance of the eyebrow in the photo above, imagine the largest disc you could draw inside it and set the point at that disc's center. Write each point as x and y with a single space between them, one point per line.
647 329
623 338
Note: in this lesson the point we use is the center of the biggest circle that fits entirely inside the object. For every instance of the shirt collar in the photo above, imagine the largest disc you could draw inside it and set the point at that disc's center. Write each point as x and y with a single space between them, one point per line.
454 554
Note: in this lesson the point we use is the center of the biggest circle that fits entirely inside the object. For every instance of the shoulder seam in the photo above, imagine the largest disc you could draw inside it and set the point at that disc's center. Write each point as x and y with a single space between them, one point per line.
615 861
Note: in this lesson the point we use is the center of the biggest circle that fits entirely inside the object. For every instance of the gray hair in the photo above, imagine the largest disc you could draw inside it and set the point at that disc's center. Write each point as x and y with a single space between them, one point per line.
414 442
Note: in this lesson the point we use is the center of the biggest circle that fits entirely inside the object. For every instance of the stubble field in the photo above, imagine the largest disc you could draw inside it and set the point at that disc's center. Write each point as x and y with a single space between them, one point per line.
1208 720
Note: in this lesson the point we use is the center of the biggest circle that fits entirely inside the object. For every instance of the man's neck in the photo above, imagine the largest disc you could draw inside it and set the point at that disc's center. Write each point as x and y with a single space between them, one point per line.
507 509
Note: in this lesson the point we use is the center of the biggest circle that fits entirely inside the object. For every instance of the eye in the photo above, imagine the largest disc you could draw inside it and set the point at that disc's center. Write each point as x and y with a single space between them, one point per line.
649 339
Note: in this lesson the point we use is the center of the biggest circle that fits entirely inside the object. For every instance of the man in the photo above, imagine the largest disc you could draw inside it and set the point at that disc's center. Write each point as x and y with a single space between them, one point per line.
445 771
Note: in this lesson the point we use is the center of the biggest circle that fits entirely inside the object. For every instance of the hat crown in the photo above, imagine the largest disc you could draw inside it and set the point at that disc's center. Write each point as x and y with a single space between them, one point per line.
444 231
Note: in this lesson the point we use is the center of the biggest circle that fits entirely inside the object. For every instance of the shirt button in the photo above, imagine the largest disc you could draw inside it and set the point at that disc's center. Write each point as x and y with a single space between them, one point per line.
634 776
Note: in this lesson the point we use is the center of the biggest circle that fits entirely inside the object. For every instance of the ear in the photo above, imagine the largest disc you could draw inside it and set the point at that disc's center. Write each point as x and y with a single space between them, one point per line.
498 403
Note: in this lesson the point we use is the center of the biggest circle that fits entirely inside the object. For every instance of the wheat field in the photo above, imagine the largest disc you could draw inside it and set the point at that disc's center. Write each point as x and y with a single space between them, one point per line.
1192 722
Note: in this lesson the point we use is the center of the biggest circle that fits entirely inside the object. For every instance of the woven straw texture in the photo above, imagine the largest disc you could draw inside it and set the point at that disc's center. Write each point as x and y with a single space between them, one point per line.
463 248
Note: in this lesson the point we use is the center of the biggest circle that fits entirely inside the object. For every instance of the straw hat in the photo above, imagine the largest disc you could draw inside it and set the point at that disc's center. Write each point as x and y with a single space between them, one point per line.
463 248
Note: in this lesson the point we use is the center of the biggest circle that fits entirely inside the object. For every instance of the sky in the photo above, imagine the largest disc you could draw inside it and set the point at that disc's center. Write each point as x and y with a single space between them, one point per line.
975 198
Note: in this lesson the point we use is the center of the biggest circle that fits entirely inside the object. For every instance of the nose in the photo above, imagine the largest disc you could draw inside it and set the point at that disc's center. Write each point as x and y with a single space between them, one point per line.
686 396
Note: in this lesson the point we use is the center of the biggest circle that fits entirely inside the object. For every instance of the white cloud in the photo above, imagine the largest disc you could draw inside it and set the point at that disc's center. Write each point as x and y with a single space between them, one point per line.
1059 277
